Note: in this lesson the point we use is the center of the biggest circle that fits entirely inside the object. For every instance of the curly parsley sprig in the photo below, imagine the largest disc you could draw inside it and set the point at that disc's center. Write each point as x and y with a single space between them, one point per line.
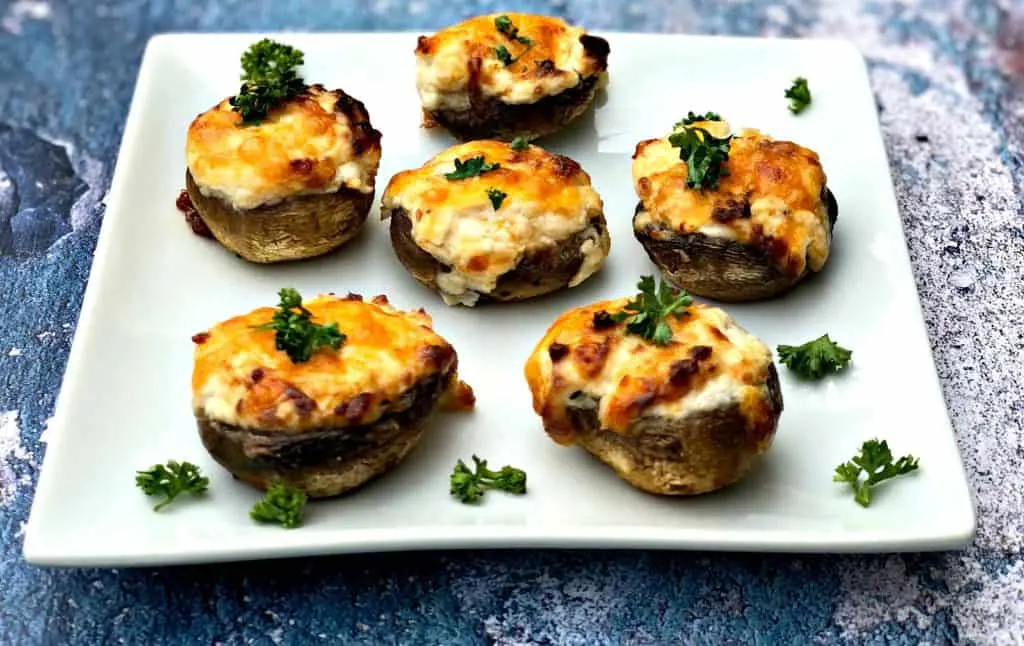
469 485
519 144
876 463
647 314
815 359
692 117
269 77
472 167
705 156
170 481
799 95
497 197
282 504
294 330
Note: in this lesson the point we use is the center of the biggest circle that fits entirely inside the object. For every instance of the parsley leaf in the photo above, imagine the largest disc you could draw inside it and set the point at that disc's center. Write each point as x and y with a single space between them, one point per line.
799 95
505 27
876 463
294 331
281 504
170 481
269 77
472 167
469 486
647 314
497 197
503 55
519 144
705 156
692 117
815 359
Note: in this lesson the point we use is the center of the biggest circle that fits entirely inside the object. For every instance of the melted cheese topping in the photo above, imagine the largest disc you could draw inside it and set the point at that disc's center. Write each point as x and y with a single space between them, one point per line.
548 200
711 363
315 143
240 378
459 61
771 197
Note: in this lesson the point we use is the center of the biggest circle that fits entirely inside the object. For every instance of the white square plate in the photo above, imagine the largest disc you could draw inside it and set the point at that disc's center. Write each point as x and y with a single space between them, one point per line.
125 402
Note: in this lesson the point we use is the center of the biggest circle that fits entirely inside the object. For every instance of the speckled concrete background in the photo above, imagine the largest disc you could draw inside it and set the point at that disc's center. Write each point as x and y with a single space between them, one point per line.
948 77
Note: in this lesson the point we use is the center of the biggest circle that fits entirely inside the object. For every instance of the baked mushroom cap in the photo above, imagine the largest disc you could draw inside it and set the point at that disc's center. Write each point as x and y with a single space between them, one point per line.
296 185
762 230
530 224
685 418
480 82
332 423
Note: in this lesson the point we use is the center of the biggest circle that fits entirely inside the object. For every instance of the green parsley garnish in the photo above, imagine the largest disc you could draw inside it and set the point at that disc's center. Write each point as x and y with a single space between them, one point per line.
472 167
705 156
269 77
519 144
497 197
505 27
282 504
647 314
815 359
799 95
503 55
876 463
295 332
692 117
170 481
469 486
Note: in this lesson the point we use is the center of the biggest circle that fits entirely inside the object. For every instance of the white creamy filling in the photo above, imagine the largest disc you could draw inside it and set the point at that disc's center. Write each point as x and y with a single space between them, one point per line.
718 230
720 392
455 289
455 237
593 257
356 175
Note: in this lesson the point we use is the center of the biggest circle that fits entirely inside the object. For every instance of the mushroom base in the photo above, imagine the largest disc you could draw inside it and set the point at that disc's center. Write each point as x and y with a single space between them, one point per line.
539 272
328 461
716 268
491 118
297 228
683 456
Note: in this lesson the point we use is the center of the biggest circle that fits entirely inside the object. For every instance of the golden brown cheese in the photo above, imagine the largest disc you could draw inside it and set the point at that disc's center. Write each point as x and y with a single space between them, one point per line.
771 198
239 377
318 142
548 199
460 60
710 364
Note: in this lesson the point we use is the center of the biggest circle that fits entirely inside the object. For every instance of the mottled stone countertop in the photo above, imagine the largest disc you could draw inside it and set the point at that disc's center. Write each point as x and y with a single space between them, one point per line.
949 84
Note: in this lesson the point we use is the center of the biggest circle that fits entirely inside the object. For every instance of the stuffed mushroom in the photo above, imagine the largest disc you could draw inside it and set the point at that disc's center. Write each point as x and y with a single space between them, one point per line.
686 413
491 221
323 395
297 184
509 75
754 230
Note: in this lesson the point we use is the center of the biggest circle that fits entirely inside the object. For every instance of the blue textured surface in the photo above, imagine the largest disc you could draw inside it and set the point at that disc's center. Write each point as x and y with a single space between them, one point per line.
953 118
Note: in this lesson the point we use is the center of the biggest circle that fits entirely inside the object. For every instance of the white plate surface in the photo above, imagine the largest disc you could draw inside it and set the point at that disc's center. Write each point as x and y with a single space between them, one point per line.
125 402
